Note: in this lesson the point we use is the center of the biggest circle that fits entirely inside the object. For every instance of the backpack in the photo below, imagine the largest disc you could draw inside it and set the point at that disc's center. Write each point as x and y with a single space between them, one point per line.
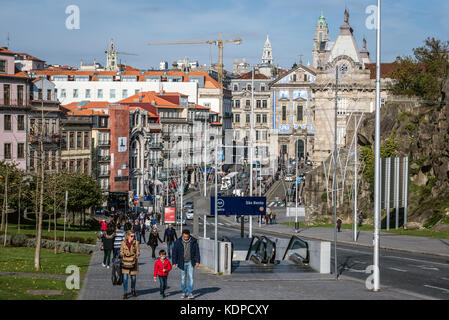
117 276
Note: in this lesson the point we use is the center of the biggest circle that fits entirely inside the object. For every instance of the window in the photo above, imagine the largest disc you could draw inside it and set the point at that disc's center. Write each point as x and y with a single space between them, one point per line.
3 66
262 88
264 104
264 118
75 93
53 161
236 87
248 103
86 166
20 95
64 165
299 113
64 141
258 118
49 95
46 160
136 91
248 118
7 122
258 104
294 78
112 93
20 151
72 140
7 151
63 93
248 87
31 160
53 126
100 94
305 78
86 140
20 122
6 94
257 135
124 93
71 165
78 166
87 93
237 103
237 117
79 140
284 113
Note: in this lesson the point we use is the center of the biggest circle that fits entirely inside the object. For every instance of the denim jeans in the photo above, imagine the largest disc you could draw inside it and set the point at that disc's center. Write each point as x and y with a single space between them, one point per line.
162 284
142 237
116 253
125 282
137 236
188 270
169 246
107 257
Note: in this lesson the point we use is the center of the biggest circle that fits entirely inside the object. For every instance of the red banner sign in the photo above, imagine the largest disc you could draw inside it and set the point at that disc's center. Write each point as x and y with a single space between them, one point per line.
170 215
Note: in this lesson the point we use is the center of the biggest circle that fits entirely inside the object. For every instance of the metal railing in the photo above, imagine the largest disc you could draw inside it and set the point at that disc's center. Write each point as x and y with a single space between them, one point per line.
262 250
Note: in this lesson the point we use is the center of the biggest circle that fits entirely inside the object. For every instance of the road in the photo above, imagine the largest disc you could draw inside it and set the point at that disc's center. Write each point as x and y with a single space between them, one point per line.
420 274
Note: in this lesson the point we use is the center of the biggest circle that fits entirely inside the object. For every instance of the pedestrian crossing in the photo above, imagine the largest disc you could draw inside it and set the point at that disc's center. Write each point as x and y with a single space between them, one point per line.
213 223
274 204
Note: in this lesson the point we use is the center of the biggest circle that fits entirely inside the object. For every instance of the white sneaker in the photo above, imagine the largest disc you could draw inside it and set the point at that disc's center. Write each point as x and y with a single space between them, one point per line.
183 296
107 267
103 265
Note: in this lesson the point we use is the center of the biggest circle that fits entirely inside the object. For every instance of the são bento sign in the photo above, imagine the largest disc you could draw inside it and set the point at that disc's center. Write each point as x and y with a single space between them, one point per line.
251 206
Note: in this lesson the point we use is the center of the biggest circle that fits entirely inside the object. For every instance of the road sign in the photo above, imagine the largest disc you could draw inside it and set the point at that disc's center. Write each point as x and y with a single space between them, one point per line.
300 212
169 215
247 206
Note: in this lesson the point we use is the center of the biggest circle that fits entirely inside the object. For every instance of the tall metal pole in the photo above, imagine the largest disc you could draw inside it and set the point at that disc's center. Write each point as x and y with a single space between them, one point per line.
251 151
377 158
355 179
182 174
216 211
205 175
334 182
296 186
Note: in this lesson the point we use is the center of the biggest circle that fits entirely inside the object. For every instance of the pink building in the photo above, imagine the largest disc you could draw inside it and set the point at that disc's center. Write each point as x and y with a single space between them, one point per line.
25 62
14 105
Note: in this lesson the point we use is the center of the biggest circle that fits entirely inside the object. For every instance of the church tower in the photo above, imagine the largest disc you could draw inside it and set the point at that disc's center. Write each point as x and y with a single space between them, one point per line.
320 40
111 58
267 56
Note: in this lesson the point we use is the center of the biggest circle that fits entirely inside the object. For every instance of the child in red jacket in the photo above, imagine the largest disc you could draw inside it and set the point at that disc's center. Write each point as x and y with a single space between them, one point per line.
161 268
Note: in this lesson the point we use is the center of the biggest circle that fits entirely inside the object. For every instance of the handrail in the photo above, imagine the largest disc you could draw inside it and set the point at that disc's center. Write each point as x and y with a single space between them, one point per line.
299 250
260 254
251 246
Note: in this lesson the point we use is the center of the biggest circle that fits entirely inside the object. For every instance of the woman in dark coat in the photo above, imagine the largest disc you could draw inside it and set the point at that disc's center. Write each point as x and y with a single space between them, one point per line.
108 245
152 242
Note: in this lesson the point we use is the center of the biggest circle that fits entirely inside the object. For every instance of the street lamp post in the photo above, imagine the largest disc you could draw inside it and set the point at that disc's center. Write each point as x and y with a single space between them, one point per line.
377 156
251 150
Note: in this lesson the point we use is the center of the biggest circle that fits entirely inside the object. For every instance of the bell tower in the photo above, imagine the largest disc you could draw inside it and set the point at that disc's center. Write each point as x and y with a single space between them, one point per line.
320 40
267 56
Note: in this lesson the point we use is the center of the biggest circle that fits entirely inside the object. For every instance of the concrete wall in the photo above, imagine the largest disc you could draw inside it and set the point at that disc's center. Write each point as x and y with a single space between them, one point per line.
207 255
320 256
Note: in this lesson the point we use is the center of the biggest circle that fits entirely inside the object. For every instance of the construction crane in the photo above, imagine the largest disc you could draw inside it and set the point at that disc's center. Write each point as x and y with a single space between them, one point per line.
219 42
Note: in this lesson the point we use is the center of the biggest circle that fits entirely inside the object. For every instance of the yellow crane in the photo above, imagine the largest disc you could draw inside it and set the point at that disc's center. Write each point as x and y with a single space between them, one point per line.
219 42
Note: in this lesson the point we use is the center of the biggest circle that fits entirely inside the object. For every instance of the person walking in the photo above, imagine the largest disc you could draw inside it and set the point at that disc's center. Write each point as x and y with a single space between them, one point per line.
108 245
136 229
360 219
152 241
186 256
161 269
142 228
118 239
130 251
170 237
339 222
127 226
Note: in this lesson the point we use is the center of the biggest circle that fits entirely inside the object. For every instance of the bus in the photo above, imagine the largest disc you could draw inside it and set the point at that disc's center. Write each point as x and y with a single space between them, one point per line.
228 181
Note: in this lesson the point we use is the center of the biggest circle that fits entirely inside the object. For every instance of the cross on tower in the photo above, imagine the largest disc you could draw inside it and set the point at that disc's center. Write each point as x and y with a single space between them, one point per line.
300 58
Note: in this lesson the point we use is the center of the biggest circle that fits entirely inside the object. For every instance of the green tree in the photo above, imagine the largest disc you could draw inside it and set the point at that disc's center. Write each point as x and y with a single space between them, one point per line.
424 74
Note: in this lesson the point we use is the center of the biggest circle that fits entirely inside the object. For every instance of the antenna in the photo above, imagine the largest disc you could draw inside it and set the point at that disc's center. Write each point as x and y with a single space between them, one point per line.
300 58
7 41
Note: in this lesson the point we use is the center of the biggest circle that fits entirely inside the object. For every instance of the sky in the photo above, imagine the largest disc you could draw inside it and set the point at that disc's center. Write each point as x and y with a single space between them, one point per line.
38 27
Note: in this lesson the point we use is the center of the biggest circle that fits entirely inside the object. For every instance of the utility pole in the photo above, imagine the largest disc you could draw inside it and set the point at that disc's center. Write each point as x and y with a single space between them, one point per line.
334 182
355 179
65 210
377 157
251 151
205 174
182 174
216 209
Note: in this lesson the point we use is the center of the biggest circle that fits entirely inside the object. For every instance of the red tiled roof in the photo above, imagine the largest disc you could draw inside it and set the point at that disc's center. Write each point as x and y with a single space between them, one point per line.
3 50
29 57
248 76
385 69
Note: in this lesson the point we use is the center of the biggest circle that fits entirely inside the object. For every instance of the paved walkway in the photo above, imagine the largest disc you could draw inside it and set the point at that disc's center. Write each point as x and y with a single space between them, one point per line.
242 285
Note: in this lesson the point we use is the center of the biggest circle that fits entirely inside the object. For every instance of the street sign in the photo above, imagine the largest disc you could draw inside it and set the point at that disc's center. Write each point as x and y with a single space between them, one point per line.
300 212
169 215
247 206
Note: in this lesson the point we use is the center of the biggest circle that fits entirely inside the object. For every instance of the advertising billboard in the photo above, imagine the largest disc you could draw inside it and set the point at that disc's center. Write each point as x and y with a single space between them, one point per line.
169 215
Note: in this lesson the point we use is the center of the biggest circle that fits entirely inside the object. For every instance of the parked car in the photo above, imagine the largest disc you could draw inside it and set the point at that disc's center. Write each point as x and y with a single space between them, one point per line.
289 177
178 221
188 205
189 214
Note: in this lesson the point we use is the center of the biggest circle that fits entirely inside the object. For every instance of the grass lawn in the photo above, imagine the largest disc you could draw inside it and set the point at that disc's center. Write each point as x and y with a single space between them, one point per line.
20 259
15 288
416 233
74 234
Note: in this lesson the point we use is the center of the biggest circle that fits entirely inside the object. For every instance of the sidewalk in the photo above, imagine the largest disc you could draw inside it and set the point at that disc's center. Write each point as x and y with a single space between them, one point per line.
251 286
389 241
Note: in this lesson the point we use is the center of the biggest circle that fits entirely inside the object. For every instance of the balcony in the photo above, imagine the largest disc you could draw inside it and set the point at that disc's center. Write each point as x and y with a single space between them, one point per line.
104 158
55 138
104 143
154 126
104 173
156 145
156 161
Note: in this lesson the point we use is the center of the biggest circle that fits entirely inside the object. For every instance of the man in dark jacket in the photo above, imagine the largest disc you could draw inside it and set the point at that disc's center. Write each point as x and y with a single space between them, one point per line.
186 256
170 237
